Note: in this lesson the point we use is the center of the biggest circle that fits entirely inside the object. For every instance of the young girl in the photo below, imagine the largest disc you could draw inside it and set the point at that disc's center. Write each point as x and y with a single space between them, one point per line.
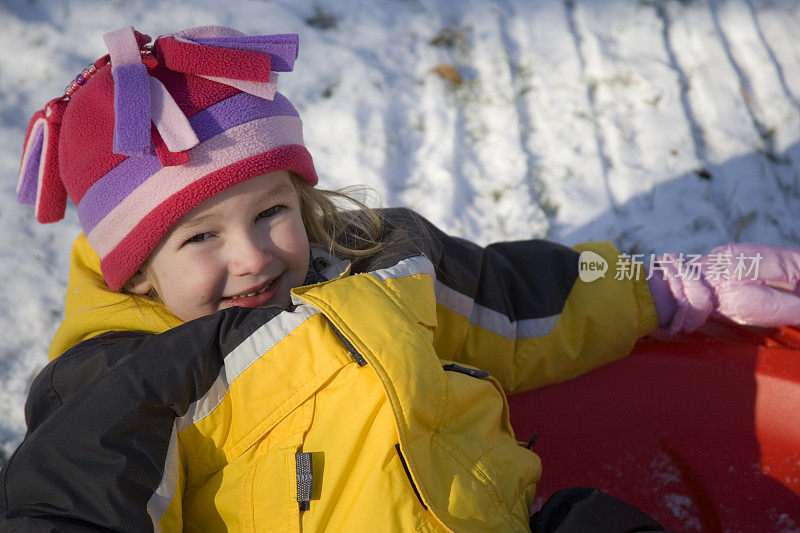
241 353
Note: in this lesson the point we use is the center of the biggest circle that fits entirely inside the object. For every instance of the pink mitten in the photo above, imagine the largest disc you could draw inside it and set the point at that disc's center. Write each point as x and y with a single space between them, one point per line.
752 284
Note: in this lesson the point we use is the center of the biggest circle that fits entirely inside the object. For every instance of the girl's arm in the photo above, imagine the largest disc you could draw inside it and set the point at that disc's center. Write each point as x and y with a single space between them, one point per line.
520 309
101 451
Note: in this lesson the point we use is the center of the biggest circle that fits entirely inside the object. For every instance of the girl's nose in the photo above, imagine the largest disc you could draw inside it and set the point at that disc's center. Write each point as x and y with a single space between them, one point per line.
247 255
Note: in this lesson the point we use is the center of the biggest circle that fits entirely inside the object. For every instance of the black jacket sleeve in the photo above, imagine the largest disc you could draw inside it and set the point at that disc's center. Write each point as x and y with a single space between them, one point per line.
100 418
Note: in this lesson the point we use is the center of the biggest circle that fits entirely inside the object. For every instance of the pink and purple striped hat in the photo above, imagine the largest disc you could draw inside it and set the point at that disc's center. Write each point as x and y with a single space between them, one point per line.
148 132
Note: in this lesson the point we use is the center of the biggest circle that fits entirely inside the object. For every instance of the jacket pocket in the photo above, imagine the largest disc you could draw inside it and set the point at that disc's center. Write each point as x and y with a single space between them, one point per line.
491 478
276 484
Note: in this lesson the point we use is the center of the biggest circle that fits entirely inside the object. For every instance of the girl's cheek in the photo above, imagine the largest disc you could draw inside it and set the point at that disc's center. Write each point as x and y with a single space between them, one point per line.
214 278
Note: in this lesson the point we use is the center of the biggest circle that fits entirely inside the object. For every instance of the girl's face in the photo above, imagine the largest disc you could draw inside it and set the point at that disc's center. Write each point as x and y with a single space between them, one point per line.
246 246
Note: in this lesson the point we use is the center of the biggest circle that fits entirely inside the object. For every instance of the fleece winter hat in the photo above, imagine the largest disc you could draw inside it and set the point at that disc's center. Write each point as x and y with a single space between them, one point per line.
148 132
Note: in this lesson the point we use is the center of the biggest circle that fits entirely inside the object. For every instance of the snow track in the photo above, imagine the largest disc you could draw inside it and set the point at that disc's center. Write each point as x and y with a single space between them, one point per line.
661 125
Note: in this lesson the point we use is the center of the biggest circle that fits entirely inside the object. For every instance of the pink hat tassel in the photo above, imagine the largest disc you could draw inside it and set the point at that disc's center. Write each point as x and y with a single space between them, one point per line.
172 124
39 182
31 168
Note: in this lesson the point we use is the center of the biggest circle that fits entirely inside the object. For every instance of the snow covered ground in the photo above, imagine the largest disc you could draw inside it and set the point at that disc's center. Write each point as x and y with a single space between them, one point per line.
662 125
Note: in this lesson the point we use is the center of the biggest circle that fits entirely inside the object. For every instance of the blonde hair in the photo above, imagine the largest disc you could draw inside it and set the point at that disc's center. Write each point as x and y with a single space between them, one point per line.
342 232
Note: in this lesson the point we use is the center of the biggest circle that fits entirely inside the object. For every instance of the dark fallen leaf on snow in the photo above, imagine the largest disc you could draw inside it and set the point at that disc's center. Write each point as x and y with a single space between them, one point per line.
448 38
703 173
322 19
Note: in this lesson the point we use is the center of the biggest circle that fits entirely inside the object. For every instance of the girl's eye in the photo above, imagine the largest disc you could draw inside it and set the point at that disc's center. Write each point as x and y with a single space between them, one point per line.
271 212
200 237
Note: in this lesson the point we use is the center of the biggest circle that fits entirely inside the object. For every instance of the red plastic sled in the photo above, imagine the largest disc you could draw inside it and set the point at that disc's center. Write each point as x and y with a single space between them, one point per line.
702 432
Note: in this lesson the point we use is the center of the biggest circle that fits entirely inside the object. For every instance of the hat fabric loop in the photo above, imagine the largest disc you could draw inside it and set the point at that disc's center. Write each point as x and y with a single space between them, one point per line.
29 175
39 183
131 93
123 47
282 48
131 110
192 58
262 90
172 124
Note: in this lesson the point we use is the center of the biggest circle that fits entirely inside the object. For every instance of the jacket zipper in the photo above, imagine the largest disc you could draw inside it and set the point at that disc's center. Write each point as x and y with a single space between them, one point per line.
408 475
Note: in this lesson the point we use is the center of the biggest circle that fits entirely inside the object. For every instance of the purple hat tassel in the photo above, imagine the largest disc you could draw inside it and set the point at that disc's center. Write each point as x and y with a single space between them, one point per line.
131 94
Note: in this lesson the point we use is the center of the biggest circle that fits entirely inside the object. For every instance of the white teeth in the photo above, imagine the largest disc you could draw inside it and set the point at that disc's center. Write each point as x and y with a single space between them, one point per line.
250 293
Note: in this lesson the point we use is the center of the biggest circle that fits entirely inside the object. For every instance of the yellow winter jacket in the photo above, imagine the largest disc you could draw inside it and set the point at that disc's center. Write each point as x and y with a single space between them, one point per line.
377 375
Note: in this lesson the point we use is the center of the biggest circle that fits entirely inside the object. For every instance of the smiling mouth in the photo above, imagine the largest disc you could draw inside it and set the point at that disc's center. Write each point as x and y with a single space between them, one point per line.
264 296
259 291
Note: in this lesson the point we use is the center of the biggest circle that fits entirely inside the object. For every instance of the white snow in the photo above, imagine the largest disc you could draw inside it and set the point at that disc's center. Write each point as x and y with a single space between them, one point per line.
678 504
575 120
